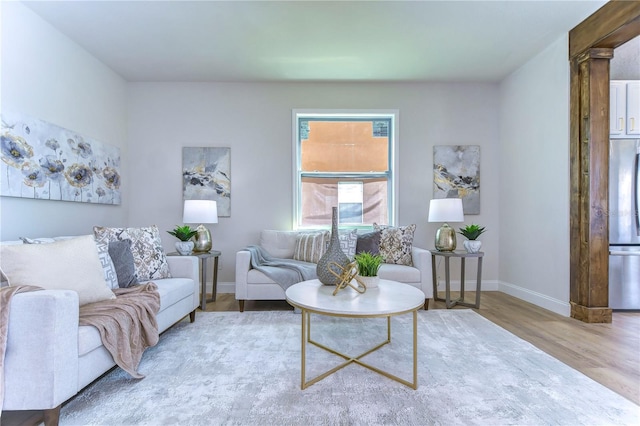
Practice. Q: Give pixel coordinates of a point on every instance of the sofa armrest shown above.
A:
(422, 261)
(41, 359)
(243, 265)
(184, 267)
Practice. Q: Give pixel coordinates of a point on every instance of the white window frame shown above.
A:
(393, 114)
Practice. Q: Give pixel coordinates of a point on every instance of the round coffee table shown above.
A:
(390, 298)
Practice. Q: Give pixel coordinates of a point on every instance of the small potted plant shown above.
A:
(472, 232)
(368, 266)
(184, 234)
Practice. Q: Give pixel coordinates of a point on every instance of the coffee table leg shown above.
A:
(415, 350)
(303, 334)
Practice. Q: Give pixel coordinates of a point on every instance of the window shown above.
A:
(344, 160)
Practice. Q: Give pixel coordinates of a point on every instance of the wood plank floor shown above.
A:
(607, 353)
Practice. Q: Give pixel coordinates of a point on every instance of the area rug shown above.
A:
(244, 369)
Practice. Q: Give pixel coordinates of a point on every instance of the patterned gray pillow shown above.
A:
(110, 274)
(348, 242)
(396, 243)
(148, 255)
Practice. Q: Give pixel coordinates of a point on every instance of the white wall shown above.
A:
(49, 77)
(254, 120)
(534, 180)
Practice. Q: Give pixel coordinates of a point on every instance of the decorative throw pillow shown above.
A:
(120, 252)
(310, 246)
(148, 255)
(369, 242)
(348, 241)
(110, 275)
(109, 270)
(396, 243)
(62, 265)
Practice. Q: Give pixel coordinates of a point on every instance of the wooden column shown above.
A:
(590, 186)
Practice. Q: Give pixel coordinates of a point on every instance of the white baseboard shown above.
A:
(538, 299)
(489, 285)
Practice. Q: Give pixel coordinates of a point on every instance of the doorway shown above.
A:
(591, 47)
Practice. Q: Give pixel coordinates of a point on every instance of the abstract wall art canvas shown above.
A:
(206, 175)
(45, 161)
(456, 174)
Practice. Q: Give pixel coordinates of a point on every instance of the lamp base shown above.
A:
(203, 240)
(445, 238)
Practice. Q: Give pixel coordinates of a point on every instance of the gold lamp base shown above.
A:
(445, 238)
(203, 240)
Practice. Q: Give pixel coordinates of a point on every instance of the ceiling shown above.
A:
(314, 40)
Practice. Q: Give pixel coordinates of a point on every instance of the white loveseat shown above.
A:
(252, 284)
(50, 358)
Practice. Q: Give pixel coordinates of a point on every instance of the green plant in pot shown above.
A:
(184, 234)
(368, 266)
(472, 232)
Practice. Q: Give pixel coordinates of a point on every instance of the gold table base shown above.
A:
(306, 338)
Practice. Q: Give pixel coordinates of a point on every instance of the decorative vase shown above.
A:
(332, 263)
(472, 246)
(185, 248)
(369, 282)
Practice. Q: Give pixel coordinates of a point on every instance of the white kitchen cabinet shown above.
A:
(624, 119)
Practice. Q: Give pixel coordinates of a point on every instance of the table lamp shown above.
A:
(201, 211)
(446, 210)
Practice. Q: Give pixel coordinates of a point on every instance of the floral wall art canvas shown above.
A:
(456, 174)
(206, 175)
(44, 161)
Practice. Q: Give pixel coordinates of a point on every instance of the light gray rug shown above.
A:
(244, 369)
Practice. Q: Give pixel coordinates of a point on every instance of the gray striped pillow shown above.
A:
(310, 246)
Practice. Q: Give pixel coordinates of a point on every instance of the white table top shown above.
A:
(389, 298)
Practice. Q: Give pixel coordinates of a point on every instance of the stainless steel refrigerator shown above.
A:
(624, 224)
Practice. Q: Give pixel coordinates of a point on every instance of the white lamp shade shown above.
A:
(200, 211)
(446, 210)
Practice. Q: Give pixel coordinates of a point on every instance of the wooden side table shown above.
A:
(463, 255)
(204, 258)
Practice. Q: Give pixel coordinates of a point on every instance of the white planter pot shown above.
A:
(472, 246)
(370, 282)
(185, 248)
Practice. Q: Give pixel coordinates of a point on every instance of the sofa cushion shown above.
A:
(71, 264)
(120, 252)
(280, 244)
(395, 243)
(348, 242)
(310, 246)
(369, 242)
(88, 339)
(172, 290)
(401, 273)
(146, 246)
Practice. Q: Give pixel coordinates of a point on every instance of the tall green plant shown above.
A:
(368, 263)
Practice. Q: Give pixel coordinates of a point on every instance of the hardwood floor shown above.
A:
(607, 353)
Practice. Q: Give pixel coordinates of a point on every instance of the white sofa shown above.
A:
(50, 358)
(252, 284)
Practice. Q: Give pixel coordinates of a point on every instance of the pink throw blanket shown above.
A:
(127, 324)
